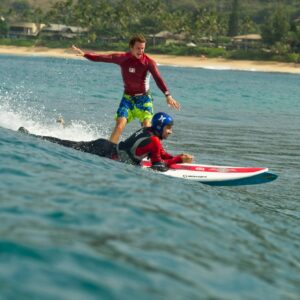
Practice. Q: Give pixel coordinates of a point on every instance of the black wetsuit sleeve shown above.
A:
(66, 143)
(101, 147)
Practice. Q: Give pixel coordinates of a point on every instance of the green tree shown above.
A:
(20, 6)
(150, 15)
(18, 10)
(233, 25)
(61, 12)
(3, 27)
(276, 27)
(248, 26)
(207, 24)
(294, 37)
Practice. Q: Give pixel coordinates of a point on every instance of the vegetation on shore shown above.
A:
(209, 25)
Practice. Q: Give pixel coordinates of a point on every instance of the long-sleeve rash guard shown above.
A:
(157, 153)
(135, 72)
(144, 143)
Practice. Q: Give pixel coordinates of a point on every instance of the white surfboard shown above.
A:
(218, 175)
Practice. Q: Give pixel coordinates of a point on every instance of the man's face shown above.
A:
(138, 49)
(167, 131)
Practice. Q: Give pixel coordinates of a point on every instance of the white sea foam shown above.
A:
(14, 116)
(216, 68)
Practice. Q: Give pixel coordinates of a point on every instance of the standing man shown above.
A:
(136, 68)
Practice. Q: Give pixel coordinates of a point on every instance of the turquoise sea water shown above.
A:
(76, 226)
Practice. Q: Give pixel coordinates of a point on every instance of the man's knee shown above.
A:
(119, 128)
(147, 123)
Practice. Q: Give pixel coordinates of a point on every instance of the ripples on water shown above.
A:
(76, 226)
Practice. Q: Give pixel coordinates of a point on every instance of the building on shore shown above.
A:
(22, 29)
(61, 31)
(50, 31)
(247, 41)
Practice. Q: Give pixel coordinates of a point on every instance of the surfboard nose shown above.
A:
(256, 179)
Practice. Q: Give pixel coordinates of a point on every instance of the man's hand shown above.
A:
(78, 51)
(172, 102)
(187, 158)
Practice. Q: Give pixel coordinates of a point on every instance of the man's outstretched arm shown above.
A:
(109, 58)
(162, 86)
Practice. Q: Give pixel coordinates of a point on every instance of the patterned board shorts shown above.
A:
(135, 107)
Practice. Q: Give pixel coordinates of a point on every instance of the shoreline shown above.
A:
(168, 60)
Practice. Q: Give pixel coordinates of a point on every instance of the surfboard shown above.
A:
(213, 175)
(218, 175)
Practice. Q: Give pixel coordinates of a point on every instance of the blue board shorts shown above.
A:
(136, 107)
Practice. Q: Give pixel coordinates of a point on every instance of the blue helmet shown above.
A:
(160, 120)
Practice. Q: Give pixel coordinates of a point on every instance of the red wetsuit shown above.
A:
(135, 72)
(143, 143)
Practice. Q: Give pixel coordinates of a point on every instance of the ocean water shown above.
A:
(77, 226)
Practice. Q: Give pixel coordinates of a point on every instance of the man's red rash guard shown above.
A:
(157, 153)
(135, 72)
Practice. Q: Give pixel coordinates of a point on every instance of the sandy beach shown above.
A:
(170, 60)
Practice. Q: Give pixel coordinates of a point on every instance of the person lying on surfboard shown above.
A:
(144, 143)
(136, 67)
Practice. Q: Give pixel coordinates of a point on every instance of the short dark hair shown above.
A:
(137, 38)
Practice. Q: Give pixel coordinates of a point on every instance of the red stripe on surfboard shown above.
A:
(216, 169)
(210, 169)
